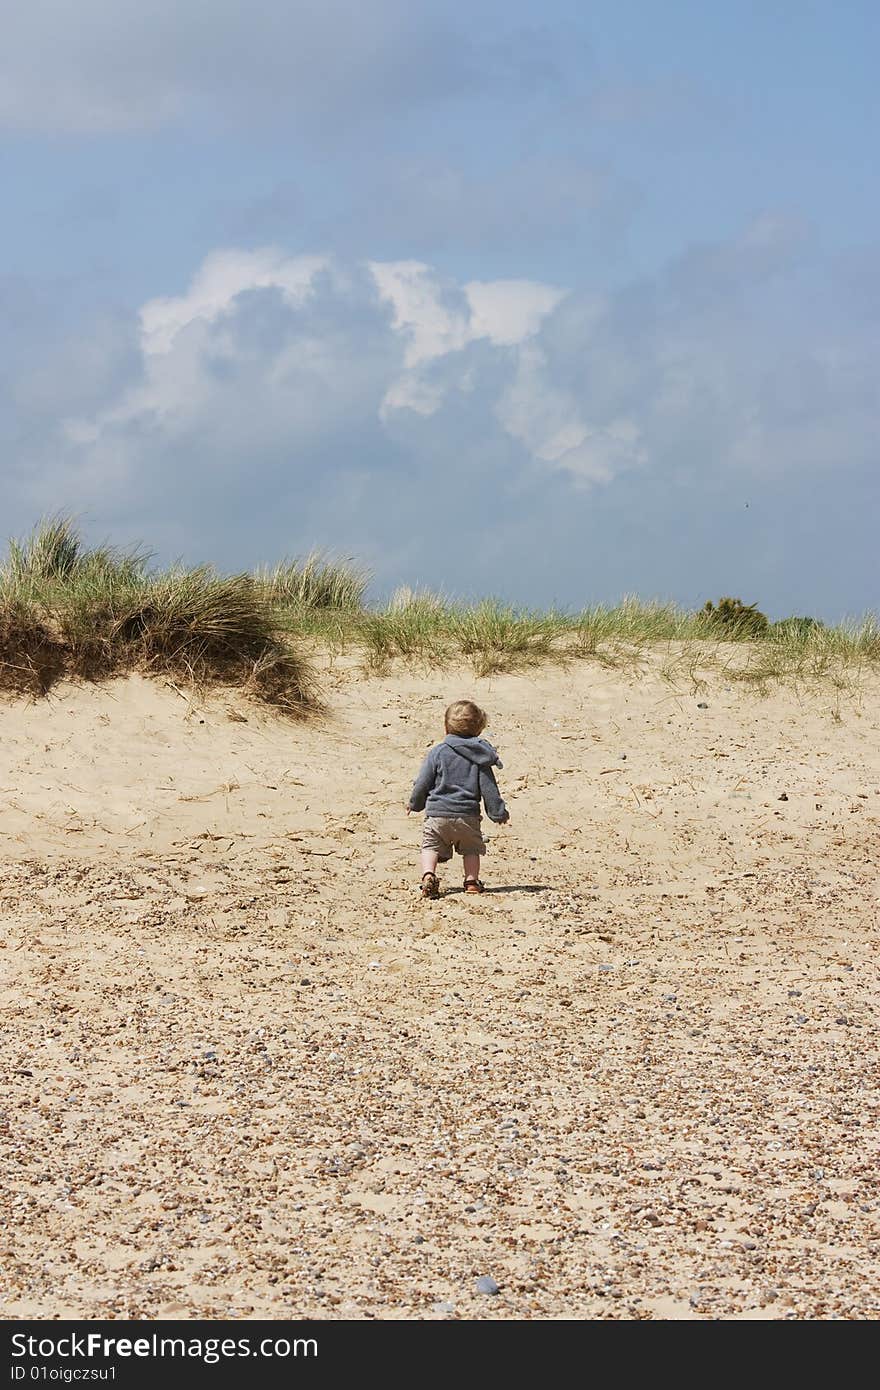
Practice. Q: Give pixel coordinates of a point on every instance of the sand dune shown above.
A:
(247, 1071)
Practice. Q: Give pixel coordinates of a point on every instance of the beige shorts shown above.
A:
(445, 834)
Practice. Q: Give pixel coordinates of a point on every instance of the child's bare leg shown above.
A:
(429, 861)
(471, 865)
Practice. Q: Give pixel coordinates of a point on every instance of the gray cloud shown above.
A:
(327, 65)
(274, 215)
(535, 201)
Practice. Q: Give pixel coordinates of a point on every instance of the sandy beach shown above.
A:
(247, 1072)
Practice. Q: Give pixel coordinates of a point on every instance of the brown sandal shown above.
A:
(474, 885)
(430, 886)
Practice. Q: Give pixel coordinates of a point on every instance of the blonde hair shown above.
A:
(466, 719)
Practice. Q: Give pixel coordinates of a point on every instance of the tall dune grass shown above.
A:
(69, 610)
(316, 583)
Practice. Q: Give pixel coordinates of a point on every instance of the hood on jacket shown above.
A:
(476, 750)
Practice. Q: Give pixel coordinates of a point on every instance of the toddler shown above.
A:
(454, 779)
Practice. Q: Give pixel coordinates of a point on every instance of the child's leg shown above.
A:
(430, 882)
(429, 861)
(471, 865)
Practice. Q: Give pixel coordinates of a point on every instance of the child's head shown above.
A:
(466, 719)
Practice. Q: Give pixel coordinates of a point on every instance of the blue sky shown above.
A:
(558, 302)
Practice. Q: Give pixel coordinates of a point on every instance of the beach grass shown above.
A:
(318, 582)
(69, 610)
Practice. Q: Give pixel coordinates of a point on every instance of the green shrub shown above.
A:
(735, 618)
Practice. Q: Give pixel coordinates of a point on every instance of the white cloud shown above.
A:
(187, 338)
(580, 385)
(507, 311)
(433, 320)
(206, 375)
(223, 276)
(280, 402)
(438, 319)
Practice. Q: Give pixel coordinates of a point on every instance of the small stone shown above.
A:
(794, 993)
(418, 1240)
(670, 997)
(606, 967)
(623, 757)
(800, 1018)
(702, 705)
(209, 1054)
(783, 797)
(486, 1284)
(445, 1307)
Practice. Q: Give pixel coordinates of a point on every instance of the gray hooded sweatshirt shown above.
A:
(455, 776)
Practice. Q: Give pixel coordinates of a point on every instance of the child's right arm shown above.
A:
(423, 784)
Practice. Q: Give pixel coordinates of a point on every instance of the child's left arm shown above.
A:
(492, 799)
